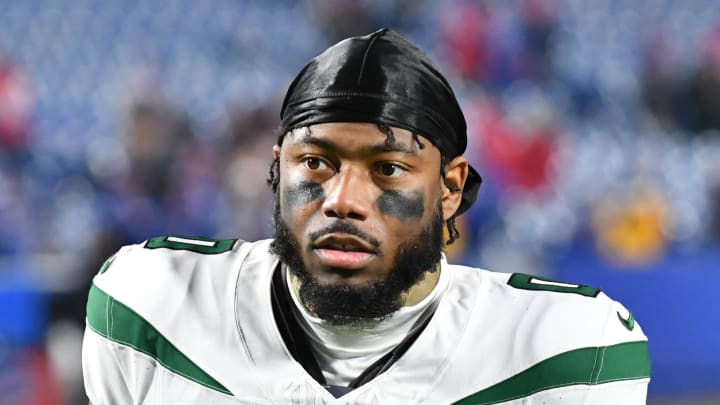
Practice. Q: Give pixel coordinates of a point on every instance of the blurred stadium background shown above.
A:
(596, 125)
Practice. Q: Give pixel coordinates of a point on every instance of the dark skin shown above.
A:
(347, 172)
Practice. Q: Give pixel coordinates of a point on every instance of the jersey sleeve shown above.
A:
(103, 376)
(103, 372)
(112, 373)
(618, 393)
(594, 344)
(623, 369)
(148, 309)
(615, 371)
(620, 372)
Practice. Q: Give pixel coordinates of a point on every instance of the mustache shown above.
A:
(341, 226)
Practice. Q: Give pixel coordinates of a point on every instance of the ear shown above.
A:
(456, 172)
(276, 151)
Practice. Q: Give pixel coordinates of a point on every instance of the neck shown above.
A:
(344, 352)
(422, 288)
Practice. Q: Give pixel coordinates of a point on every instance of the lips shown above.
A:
(343, 251)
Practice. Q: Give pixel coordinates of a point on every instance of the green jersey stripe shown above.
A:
(115, 321)
(586, 366)
(198, 245)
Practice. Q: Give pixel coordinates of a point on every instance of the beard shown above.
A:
(346, 304)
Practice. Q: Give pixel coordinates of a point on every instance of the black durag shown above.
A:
(380, 78)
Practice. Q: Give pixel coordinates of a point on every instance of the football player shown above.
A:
(352, 301)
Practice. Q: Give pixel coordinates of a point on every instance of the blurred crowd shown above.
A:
(596, 126)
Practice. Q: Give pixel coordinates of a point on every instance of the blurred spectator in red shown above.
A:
(16, 115)
(464, 36)
(26, 378)
(495, 45)
(518, 150)
(16, 107)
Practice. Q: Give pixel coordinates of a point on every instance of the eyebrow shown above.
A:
(365, 150)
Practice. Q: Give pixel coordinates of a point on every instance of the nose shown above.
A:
(347, 195)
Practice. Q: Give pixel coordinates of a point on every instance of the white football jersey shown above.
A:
(190, 321)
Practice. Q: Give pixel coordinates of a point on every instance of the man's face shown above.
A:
(358, 219)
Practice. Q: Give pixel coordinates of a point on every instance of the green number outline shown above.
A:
(524, 282)
(219, 245)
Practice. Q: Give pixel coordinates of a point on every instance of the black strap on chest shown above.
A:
(292, 334)
(297, 342)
